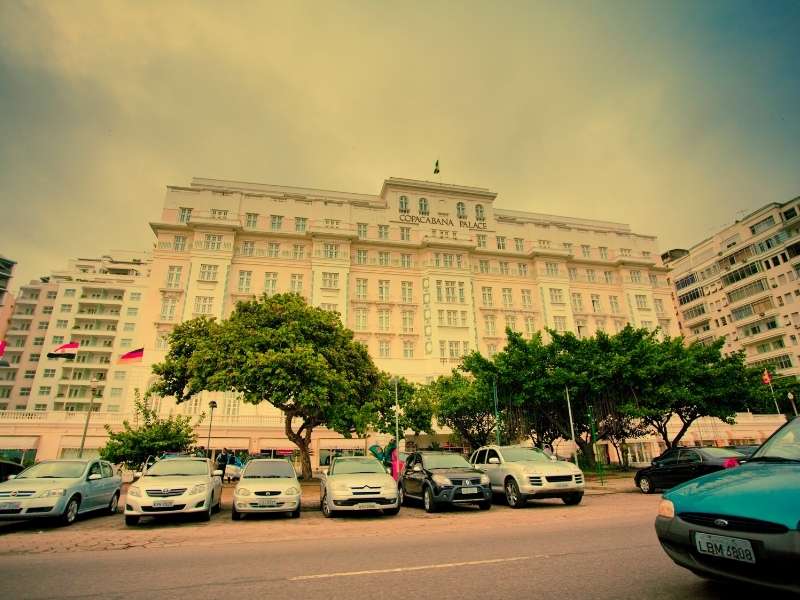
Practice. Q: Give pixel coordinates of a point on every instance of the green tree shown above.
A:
(280, 350)
(463, 405)
(416, 409)
(150, 435)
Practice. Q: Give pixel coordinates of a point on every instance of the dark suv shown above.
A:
(443, 478)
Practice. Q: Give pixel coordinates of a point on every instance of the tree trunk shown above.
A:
(587, 451)
(302, 439)
(684, 428)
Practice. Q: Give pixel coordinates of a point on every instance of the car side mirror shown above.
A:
(217, 473)
(389, 470)
(494, 461)
(95, 476)
(12, 477)
(417, 468)
(553, 457)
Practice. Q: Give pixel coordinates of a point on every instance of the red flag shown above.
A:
(3, 361)
(68, 351)
(132, 356)
(766, 378)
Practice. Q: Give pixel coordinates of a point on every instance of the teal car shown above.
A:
(743, 523)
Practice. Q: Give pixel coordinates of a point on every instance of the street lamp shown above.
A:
(396, 461)
(92, 390)
(790, 397)
(212, 405)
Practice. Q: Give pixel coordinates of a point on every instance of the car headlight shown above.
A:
(200, 488)
(54, 492)
(441, 480)
(485, 479)
(666, 509)
(242, 491)
(134, 491)
(292, 491)
(339, 487)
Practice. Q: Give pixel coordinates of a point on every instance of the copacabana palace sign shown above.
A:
(443, 221)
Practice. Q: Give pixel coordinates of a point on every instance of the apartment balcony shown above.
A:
(212, 246)
(172, 246)
(761, 336)
(20, 315)
(206, 220)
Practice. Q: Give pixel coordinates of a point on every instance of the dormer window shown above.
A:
(423, 206)
(403, 205)
(461, 210)
(479, 214)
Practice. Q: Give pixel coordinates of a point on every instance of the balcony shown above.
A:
(207, 220)
(212, 246)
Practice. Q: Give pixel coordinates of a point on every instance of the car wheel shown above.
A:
(114, 504)
(295, 514)
(572, 499)
(218, 506)
(391, 511)
(427, 500)
(206, 514)
(235, 514)
(326, 510)
(513, 496)
(485, 505)
(131, 520)
(646, 485)
(70, 511)
(401, 495)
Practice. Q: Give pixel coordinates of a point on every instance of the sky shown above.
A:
(672, 116)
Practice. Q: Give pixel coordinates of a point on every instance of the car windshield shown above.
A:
(722, 453)
(176, 467)
(268, 470)
(524, 454)
(54, 470)
(444, 461)
(346, 466)
(783, 446)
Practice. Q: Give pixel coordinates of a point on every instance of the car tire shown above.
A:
(485, 505)
(295, 514)
(235, 514)
(113, 506)
(427, 500)
(401, 494)
(131, 520)
(218, 506)
(70, 513)
(572, 499)
(323, 504)
(391, 512)
(646, 485)
(206, 514)
(514, 497)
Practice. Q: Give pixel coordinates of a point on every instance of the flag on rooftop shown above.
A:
(66, 351)
(436, 167)
(132, 356)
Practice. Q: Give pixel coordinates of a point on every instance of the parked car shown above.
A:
(7, 468)
(61, 488)
(526, 473)
(357, 483)
(175, 486)
(267, 485)
(444, 478)
(677, 465)
(742, 523)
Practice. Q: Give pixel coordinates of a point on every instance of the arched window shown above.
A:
(403, 205)
(479, 212)
(423, 206)
(461, 210)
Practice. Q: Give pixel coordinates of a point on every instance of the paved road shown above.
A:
(604, 548)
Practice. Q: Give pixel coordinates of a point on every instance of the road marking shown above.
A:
(470, 563)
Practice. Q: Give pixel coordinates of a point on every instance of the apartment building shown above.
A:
(742, 284)
(96, 302)
(6, 299)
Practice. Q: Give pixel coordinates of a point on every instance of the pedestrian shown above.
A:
(222, 462)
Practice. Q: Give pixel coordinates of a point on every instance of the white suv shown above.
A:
(524, 473)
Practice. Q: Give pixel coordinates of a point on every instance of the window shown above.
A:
(361, 257)
(405, 261)
(383, 258)
(556, 296)
(625, 251)
(406, 290)
(690, 296)
(483, 266)
(408, 321)
(383, 319)
(213, 241)
(29, 374)
(762, 225)
(481, 239)
(479, 214)
(331, 250)
(490, 324)
(530, 325)
(300, 224)
(739, 274)
(461, 210)
(603, 252)
(519, 244)
(700, 309)
(361, 230)
(653, 280)
(486, 295)
(586, 250)
(330, 280)
(361, 289)
(61, 324)
(560, 324)
(527, 298)
(641, 302)
(129, 327)
(273, 249)
(203, 304)
(423, 206)
(251, 220)
(184, 214)
(403, 206)
(567, 246)
(52, 295)
(270, 283)
(636, 277)
(245, 277)
(383, 232)
(275, 222)
(179, 243)
(551, 269)
(361, 318)
(609, 276)
(44, 390)
(383, 290)
(747, 290)
(511, 322)
(523, 269)
(168, 309)
(47, 310)
(573, 273)
(405, 234)
(577, 302)
(298, 251)
(208, 272)
(384, 349)
(248, 248)
(42, 325)
(408, 349)
(65, 308)
(507, 297)
(174, 276)
(596, 306)
(590, 275)
(501, 242)
(132, 312)
(217, 213)
(503, 267)
(659, 305)
(26, 391)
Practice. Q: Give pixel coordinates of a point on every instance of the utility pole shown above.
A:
(598, 466)
(790, 397)
(496, 414)
(571, 427)
(396, 460)
(212, 405)
(92, 390)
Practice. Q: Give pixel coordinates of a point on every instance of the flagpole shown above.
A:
(774, 399)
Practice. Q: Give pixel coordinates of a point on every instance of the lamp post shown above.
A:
(496, 414)
(212, 405)
(396, 460)
(571, 426)
(790, 397)
(92, 390)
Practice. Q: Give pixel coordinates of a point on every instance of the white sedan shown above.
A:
(175, 486)
(266, 485)
(358, 483)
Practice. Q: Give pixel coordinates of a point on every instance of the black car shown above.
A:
(677, 465)
(9, 468)
(443, 478)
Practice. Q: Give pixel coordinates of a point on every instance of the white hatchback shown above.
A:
(267, 485)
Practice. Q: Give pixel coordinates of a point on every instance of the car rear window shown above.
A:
(722, 453)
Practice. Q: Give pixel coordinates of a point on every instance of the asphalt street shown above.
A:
(604, 548)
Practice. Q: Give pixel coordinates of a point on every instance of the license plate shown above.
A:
(367, 506)
(9, 505)
(563, 483)
(162, 504)
(725, 547)
(469, 490)
(267, 502)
